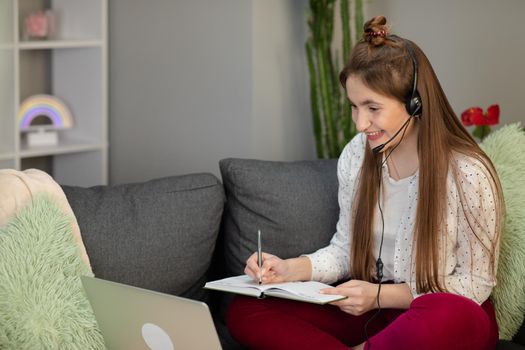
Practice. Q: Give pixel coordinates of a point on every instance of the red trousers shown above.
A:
(438, 321)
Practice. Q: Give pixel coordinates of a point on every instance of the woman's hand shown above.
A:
(274, 269)
(277, 270)
(361, 296)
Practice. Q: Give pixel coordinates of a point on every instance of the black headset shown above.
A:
(413, 104)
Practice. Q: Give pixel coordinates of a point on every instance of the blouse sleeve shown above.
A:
(475, 232)
(331, 263)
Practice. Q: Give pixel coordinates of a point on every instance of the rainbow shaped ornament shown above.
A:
(44, 105)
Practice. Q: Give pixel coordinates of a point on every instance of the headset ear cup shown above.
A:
(413, 105)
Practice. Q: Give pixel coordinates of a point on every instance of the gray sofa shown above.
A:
(175, 233)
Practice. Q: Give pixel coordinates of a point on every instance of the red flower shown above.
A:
(468, 116)
(493, 115)
(475, 116)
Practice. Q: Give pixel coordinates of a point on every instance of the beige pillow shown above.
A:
(17, 188)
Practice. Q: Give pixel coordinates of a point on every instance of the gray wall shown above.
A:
(192, 82)
(195, 81)
(282, 127)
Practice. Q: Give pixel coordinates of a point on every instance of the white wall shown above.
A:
(192, 82)
(475, 46)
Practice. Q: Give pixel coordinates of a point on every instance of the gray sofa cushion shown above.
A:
(294, 204)
(158, 235)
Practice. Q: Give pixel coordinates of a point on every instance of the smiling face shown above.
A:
(378, 116)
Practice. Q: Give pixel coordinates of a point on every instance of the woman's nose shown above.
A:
(361, 122)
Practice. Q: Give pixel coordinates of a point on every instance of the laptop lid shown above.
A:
(135, 318)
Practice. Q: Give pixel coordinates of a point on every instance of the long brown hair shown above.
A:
(384, 64)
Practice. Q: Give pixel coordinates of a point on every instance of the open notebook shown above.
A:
(301, 291)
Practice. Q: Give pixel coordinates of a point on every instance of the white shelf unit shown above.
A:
(72, 65)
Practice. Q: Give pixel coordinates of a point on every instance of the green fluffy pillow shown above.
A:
(42, 301)
(506, 149)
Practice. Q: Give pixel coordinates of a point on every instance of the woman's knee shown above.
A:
(455, 319)
(448, 307)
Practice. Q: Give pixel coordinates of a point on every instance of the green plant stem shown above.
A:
(344, 111)
(331, 113)
(345, 25)
(481, 131)
(326, 102)
(314, 100)
(359, 19)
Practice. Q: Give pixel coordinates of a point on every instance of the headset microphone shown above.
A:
(379, 148)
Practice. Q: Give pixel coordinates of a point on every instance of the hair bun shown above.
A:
(375, 31)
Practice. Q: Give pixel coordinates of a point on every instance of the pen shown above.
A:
(259, 254)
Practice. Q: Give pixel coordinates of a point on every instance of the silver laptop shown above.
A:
(134, 318)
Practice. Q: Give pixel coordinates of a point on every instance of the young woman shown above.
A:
(418, 233)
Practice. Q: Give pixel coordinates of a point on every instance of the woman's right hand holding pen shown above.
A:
(277, 270)
(273, 270)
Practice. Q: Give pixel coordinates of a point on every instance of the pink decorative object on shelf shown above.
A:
(39, 25)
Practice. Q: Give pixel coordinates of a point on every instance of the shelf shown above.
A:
(58, 44)
(64, 147)
(71, 65)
